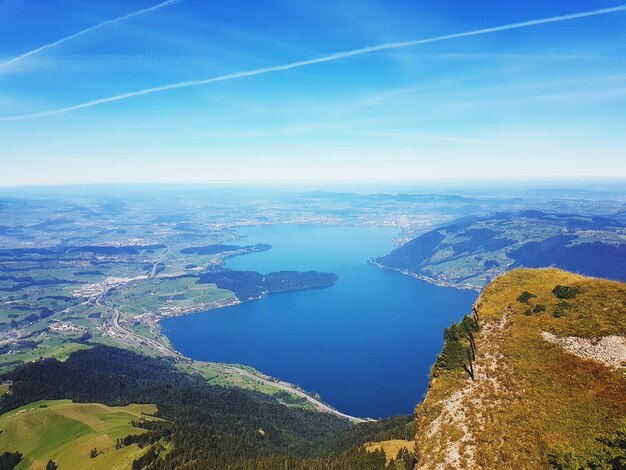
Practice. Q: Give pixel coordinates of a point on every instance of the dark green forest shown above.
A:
(249, 285)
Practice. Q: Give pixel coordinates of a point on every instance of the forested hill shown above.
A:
(249, 285)
(471, 253)
(533, 379)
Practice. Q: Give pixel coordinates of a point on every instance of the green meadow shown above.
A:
(66, 433)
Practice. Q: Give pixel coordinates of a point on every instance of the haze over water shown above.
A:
(365, 345)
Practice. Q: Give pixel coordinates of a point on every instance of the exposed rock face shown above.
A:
(609, 350)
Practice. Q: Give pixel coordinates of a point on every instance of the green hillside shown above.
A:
(471, 253)
(66, 432)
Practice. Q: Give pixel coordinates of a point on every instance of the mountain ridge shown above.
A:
(522, 400)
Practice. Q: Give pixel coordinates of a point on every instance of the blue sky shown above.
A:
(547, 101)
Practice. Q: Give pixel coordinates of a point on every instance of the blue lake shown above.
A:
(365, 345)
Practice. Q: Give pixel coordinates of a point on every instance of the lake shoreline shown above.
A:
(421, 277)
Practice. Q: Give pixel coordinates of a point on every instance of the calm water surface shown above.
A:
(365, 345)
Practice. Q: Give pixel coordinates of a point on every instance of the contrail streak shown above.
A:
(319, 60)
(83, 32)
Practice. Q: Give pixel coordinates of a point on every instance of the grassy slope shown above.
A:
(530, 398)
(216, 376)
(390, 447)
(55, 347)
(66, 432)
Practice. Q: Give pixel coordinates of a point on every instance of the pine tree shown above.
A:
(51, 465)
(470, 369)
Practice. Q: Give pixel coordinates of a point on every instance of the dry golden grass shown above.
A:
(530, 396)
(391, 447)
